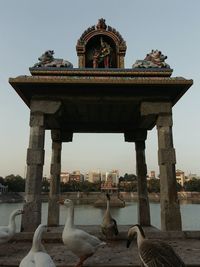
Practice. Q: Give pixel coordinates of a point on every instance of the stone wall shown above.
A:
(93, 196)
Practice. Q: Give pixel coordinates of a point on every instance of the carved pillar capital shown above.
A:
(155, 108)
(164, 120)
(45, 106)
(136, 136)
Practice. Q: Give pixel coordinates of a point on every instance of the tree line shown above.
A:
(127, 183)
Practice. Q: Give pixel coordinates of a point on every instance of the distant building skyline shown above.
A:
(112, 177)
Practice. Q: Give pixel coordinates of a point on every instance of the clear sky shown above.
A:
(28, 28)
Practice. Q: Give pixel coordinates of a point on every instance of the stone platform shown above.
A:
(114, 253)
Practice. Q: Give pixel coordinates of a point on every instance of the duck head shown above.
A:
(132, 232)
(66, 202)
(18, 212)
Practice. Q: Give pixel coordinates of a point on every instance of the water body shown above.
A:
(87, 214)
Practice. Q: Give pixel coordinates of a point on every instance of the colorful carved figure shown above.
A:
(102, 55)
(47, 60)
(155, 59)
(105, 53)
(96, 58)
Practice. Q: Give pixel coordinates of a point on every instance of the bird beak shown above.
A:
(47, 228)
(61, 202)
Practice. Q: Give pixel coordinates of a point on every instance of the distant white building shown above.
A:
(152, 175)
(64, 177)
(3, 188)
(180, 177)
(103, 176)
(94, 176)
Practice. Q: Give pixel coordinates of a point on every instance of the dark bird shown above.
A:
(154, 253)
(109, 225)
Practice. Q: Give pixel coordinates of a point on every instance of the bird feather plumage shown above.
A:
(7, 232)
(154, 253)
(81, 243)
(37, 256)
(109, 225)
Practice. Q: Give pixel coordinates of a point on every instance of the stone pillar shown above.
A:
(170, 209)
(53, 208)
(58, 137)
(139, 137)
(35, 160)
(141, 171)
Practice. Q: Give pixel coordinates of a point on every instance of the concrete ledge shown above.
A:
(55, 233)
(114, 253)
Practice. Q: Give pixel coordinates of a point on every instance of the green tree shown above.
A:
(129, 177)
(15, 183)
(153, 185)
(45, 185)
(128, 186)
(2, 181)
(179, 187)
(192, 185)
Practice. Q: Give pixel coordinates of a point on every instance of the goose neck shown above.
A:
(108, 205)
(70, 217)
(12, 224)
(140, 237)
(36, 245)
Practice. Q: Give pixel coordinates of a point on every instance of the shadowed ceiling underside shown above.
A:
(100, 103)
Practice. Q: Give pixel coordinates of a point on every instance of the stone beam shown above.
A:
(155, 108)
(66, 136)
(137, 135)
(45, 106)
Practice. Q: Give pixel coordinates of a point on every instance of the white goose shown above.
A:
(154, 253)
(109, 225)
(82, 244)
(37, 256)
(7, 232)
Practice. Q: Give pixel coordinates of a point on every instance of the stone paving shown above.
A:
(114, 253)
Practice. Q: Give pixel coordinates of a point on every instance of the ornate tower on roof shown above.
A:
(101, 46)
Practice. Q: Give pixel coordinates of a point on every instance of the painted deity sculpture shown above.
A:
(102, 55)
(155, 59)
(47, 60)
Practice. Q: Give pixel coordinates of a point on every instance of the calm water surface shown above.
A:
(86, 214)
